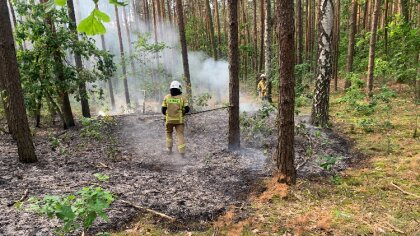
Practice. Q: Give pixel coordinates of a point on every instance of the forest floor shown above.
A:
(196, 190)
(378, 195)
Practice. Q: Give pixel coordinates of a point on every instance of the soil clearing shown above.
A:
(195, 190)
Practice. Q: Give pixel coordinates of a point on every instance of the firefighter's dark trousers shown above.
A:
(180, 136)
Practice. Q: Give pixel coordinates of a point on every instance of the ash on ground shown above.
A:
(195, 189)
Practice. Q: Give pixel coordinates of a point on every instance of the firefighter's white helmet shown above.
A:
(262, 76)
(176, 84)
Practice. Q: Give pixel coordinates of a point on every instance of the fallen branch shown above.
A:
(394, 228)
(403, 191)
(25, 195)
(302, 164)
(149, 210)
(102, 165)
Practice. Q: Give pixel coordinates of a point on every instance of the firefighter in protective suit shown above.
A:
(174, 107)
(262, 88)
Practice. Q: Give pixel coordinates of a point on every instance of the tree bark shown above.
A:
(299, 29)
(184, 50)
(372, 45)
(336, 43)
(234, 130)
(11, 90)
(350, 47)
(255, 56)
(124, 69)
(386, 27)
(217, 16)
(405, 10)
(169, 13)
(307, 26)
(320, 105)
(211, 27)
(130, 46)
(79, 64)
(417, 96)
(225, 24)
(267, 46)
(110, 87)
(366, 16)
(262, 15)
(147, 14)
(285, 152)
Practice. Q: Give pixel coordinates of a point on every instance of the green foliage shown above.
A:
(101, 177)
(327, 162)
(145, 55)
(367, 124)
(265, 110)
(92, 25)
(257, 122)
(54, 142)
(94, 128)
(118, 3)
(74, 211)
(396, 59)
(201, 100)
(366, 110)
(45, 72)
(60, 2)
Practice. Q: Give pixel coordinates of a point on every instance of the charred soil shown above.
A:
(195, 189)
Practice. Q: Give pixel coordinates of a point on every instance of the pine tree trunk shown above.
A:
(184, 50)
(217, 16)
(11, 90)
(225, 24)
(234, 130)
(267, 47)
(320, 105)
(147, 14)
(79, 64)
(262, 15)
(336, 43)
(285, 152)
(372, 45)
(123, 65)
(386, 27)
(418, 59)
(255, 56)
(350, 47)
(130, 46)
(110, 87)
(211, 27)
(366, 16)
(168, 5)
(299, 29)
(313, 32)
(405, 10)
(308, 29)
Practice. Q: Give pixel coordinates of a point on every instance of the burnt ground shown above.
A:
(194, 190)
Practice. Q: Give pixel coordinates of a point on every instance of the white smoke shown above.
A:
(207, 75)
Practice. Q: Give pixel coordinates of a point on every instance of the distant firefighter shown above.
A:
(263, 88)
(174, 107)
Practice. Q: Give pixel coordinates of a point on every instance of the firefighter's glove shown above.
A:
(164, 110)
(186, 110)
